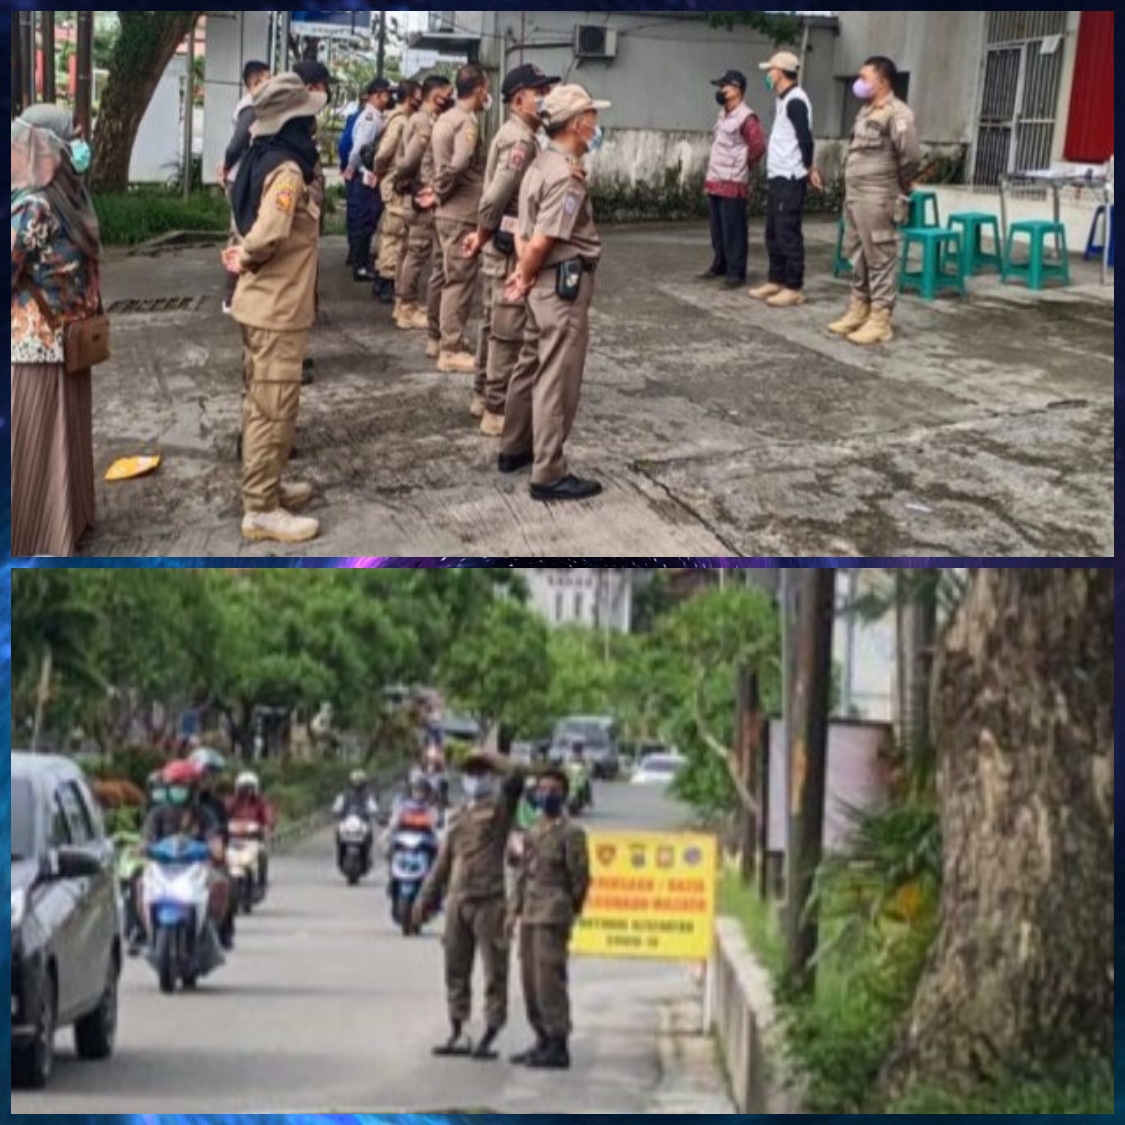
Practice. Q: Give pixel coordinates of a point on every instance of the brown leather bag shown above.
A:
(85, 342)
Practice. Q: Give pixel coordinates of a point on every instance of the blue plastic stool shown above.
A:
(924, 211)
(1036, 271)
(842, 265)
(938, 247)
(1094, 248)
(972, 226)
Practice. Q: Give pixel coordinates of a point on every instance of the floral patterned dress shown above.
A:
(44, 256)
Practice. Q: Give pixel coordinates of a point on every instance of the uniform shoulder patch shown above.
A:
(517, 158)
(285, 200)
(571, 203)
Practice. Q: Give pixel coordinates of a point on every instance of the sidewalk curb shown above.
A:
(691, 1078)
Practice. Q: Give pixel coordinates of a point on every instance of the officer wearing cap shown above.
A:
(510, 156)
(559, 251)
(550, 895)
(365, 204)
(470, 875)
(790, 170)
(738, 146)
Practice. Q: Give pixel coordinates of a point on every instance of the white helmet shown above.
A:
(248, 781)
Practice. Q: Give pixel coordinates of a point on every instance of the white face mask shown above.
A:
(488, 104)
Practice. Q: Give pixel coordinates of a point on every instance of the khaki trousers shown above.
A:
(871, 244)
(544, 966)
(471, 926)
(271, 399)
(501, 339)
(392, 244)
(460, 287)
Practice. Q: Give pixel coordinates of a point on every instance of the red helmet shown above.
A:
(182, 773)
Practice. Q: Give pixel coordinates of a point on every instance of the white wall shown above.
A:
(156, 154)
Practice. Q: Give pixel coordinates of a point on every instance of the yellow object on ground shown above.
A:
(132, 468)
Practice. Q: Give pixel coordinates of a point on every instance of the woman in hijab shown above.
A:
(278, 220)
(56, 245)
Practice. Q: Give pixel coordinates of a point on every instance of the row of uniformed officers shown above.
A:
(517, 213)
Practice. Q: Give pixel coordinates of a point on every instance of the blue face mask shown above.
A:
(597, 140)
(552, 805)
(81, 156)
(478, 788)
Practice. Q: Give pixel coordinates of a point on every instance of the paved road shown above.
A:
(325, 1008)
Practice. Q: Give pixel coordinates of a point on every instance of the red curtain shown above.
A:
(1089, 138)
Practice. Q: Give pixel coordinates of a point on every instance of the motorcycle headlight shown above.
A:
(19, 908)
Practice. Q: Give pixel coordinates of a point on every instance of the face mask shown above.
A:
(771, 85)
(721, 99)
(553, 805)
(178, 796)
(81, 156)
(596, 140)
(863, 90)
(488, 104)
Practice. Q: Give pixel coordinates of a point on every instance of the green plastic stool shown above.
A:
(924, 211)
(1036, 271)
(937, 248)
(972, 226)
(842, 265)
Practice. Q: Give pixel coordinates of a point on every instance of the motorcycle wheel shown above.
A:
(165, 957)
(246, 888)
(191, 983)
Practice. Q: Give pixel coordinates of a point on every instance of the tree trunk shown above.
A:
(1021, 974)
(144, 48)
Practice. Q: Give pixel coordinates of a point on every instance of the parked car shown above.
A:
(66, 924)
(659, 769)
(598, 736)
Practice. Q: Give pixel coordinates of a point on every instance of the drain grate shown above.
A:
(159, 305)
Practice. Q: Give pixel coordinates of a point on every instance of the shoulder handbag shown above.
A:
(85, 342)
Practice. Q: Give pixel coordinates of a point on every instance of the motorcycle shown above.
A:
(413, 854)
(581, 789)
(355, 841)
(130, 867)
(246, 862)
(177, 895)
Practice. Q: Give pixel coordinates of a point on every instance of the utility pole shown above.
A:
(84, 102)
(189, 112)
(47, 30)
(16, 75)
(27, 50)
(381, 65)
(808, 770)
(749, 765)
(42, 697)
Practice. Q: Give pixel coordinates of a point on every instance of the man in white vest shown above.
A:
(738, 148)
(790, 171)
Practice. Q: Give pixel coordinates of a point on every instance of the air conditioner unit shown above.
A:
(595, 41)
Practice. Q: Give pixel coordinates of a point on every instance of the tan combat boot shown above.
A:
(855, 318)
(403, 313)
(877, 330)
(787, 299)
(457, 363)
(418, 320)
(478, 408)
(433, 349)
(765, 292)
(278, 527)
(492, 425)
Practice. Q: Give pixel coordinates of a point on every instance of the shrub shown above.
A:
(144, 214)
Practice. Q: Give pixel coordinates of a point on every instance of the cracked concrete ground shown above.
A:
(720, 427)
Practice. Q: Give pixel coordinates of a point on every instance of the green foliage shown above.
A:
(142, 215)
(780, 29)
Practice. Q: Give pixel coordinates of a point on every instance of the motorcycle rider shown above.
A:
(248, 804)
(212, 766)
(356, 800)
(579, 771)
(417, 811)
(185, 814)
(433, 765)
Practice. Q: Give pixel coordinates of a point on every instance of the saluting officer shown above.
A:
(551, 889)
(879, 176)
(558, 253)
(392, 234)
(414, 178)
(470, 874)
(510, 156)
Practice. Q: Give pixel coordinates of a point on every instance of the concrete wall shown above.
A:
(156, 155)
(744, 1019)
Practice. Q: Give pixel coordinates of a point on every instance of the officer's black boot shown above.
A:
(457, 1044)
(556, 1056)
(524, 1057)
(484, 1051)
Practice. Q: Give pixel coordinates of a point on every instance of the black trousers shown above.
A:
(730, 237)
(785, 234)
(364, 210)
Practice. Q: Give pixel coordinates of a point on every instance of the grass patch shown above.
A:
(759, 920)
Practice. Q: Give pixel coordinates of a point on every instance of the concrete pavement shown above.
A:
(720, 427)
(324, 1007)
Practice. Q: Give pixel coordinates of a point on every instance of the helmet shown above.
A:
(248, 781)
(420, 784)
(358, 779)
(209, 761)
(183, 773)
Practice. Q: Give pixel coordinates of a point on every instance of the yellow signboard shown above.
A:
(653, 897)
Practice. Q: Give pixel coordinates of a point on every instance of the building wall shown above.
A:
(588, 597)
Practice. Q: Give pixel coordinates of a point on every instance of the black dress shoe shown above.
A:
(509, 465)
(709, 275)
(569, 488)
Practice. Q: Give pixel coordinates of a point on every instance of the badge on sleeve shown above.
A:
(517, 158)
(286, 200)
(571, 204)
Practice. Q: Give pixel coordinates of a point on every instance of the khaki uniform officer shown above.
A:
(551, 890)
(278, 218)
(511, 155)
(414, 178)
(392, 234)
(882, 166)
(459, 161)
(559, 251)
(471, 874)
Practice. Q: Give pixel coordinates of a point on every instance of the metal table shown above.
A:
(1057, 180)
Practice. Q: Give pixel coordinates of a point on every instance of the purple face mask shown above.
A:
(863, 90)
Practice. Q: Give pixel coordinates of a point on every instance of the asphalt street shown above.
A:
(324, 1007)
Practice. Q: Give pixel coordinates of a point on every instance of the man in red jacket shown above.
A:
(738, 148)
